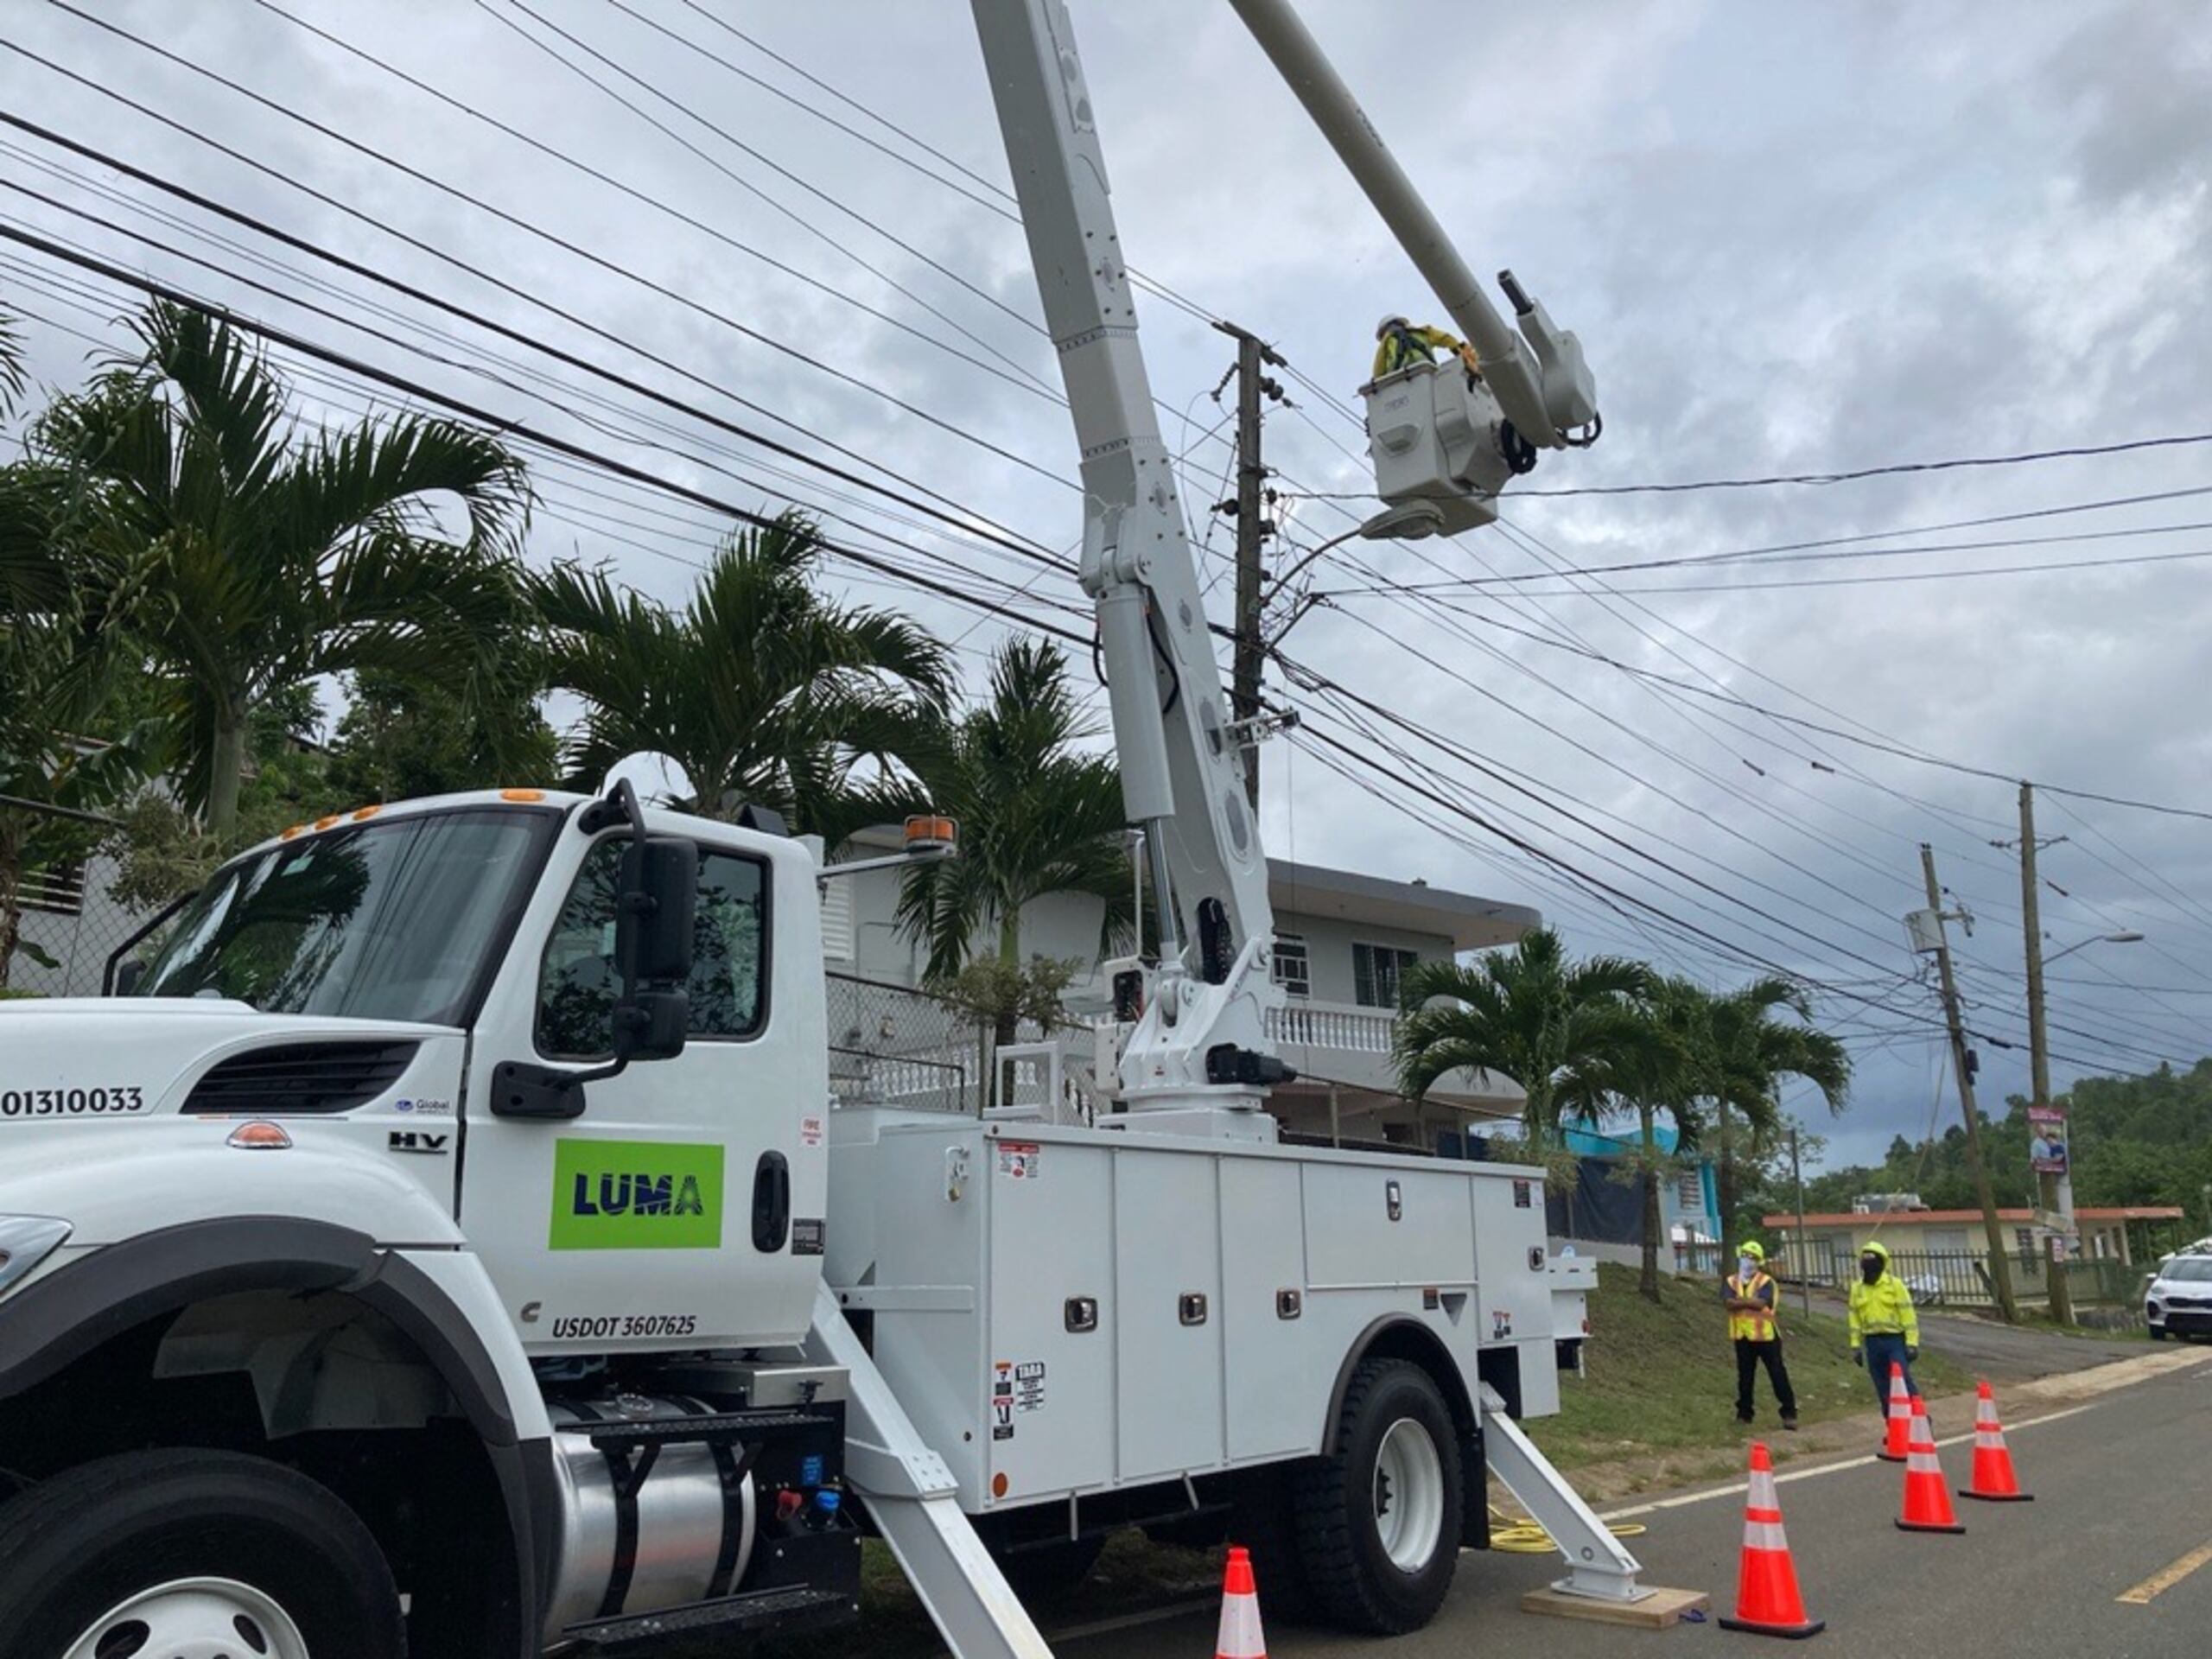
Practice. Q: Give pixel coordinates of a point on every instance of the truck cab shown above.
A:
(393, 1155)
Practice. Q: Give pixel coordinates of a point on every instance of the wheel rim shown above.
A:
(192, 1618)
(1408, 1496)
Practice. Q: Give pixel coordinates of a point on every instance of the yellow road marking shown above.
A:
(2166, 1578)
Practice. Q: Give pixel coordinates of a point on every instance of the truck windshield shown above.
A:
(390, 920)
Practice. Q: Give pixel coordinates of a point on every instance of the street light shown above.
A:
(2126, 936)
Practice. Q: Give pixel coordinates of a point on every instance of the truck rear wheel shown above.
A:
(1378, 1518)
(192, 1552)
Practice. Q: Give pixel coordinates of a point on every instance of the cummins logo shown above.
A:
(636, 1195)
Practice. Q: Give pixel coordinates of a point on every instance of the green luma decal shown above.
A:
(636, 1195)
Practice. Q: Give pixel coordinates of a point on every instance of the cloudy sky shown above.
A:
(1794, 239)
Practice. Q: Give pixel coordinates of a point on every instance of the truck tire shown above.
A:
(192, 1552)
(1378, 1517)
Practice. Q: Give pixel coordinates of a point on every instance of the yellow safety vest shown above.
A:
(1755, 1327)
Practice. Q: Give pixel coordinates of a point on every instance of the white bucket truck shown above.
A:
(448, 1243)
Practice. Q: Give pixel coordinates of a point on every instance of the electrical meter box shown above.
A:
(1071, 1310)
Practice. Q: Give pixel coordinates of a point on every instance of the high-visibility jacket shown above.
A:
(1750, 1327)
(1416, 343)
(1883, 1308)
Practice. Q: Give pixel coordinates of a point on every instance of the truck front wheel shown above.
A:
(159, 1553)
(1378, 1518)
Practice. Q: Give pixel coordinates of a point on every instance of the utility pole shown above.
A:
(2052, 1194)
(2000, 1268)
(1254, 356)
(1804, 1272)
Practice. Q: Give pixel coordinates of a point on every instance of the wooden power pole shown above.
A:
(1254, 357)
(2061, 1293)
(2000, 1266)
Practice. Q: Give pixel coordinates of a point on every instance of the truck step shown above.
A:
(790, 1608)
(710, 1428)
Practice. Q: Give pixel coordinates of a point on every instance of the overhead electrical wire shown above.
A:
(496, 423)
(1888, 470)
(613, 267)
(951, 513)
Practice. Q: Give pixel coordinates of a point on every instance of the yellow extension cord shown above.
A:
(1527, 1538)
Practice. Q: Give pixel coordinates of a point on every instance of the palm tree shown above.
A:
(1672, 1074)
(766, 691)
(1037, 816)
(1564, 1029)
(1752, 1052)
(258, 558)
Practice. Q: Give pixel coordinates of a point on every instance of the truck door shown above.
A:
(684, 1207)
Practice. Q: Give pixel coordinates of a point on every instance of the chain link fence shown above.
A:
(68, 923)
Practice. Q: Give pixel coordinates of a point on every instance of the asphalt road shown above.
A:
(2119, 1484)
(2002, 1352)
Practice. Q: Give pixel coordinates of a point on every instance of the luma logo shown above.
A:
(636, 1195)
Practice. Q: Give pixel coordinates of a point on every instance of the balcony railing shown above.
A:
(1336, 1025)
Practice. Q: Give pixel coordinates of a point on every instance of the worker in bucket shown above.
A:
(1400, 344)
(1884, 1326)
(1750, 1295)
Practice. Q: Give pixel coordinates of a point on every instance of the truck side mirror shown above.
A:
(655, 910)
(654, 914)
(651, 1026)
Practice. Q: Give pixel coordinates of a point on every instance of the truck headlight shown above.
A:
(26, 1241)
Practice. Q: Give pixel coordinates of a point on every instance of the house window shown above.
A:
(1292, 971)
(1377, 970)
(58, 889)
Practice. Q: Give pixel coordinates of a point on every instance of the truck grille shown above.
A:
(300, 1078)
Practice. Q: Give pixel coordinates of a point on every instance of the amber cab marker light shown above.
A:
(260, 1137)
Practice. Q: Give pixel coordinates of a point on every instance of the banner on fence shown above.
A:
(2047, 1140)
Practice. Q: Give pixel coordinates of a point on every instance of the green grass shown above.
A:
(1663, 1378)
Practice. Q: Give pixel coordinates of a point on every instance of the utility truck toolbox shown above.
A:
(1067, 1311)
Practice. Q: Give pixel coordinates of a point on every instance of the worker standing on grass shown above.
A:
(1883, 1322)
(1750, 1295)
(1400, 344)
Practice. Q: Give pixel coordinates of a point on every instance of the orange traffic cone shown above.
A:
(1900, 1419)
(1767, 1602)
(1993, 1480)
(1240, 1636)
(1926, 1500)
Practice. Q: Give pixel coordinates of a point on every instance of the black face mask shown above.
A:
(1869, 1268)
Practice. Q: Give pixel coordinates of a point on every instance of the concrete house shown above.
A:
(1343, 942)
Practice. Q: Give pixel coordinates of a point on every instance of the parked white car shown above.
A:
(2180, 1298)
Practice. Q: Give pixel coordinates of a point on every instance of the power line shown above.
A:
(498, 425)
(952, 514)
(614, 267)
(1891, 469)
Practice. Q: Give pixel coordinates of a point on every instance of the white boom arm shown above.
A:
(1545, 403)
(1201, 1046)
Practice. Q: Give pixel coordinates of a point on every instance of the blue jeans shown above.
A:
(1882, 1352)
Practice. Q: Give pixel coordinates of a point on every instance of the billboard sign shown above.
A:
(2047, 1140)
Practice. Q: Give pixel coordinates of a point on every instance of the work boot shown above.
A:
(1742, 1416)
(1789, 1421)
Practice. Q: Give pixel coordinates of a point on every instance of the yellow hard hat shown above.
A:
(1753, 1249)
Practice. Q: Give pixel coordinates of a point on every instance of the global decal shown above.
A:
(636, 1195)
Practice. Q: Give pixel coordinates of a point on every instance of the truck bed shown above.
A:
(1066, 1310)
